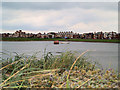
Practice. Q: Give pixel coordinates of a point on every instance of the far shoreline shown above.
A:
(64, 41)
(61, 39)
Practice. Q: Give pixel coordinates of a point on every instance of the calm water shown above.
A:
(105, 53)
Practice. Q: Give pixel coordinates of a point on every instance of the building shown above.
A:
(67, 35)
(39, 35)
(19, 34)
(44, 35)
(64, 34)
(76, 35)
(51, 34)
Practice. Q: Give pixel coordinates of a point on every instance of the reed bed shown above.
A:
(61, 71)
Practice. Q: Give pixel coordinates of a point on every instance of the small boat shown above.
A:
(56, 42)
(64, 42)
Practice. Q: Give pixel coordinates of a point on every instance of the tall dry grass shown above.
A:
(61, 71)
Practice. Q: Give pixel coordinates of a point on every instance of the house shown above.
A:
(19, 34)
(105, 35)
(39, 35)
(113, 35)
(99, 35)
(117, 36)
(68, 34)
(51, 34)
(44, 35)
(6, 34)
(76, 35)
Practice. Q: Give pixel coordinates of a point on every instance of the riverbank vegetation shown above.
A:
(66, 70)
(61, 39)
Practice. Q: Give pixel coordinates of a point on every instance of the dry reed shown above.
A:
(14, 74)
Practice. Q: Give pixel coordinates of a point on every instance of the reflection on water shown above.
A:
(105, 53)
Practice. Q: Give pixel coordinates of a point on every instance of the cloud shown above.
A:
(95, 26)
(42, 19)
(59, 5)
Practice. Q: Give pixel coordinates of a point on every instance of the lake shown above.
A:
(104, 53)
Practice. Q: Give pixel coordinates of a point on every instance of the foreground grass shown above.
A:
(61, 71)
(80, 40)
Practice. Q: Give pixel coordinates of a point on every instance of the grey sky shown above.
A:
(60, 0)
(58, 5)
(59, 16)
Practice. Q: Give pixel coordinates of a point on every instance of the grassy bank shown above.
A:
(61, 71)
(78, 40)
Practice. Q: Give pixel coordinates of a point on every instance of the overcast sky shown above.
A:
(59, 16)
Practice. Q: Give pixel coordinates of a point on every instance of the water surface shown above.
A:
(105, 53)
